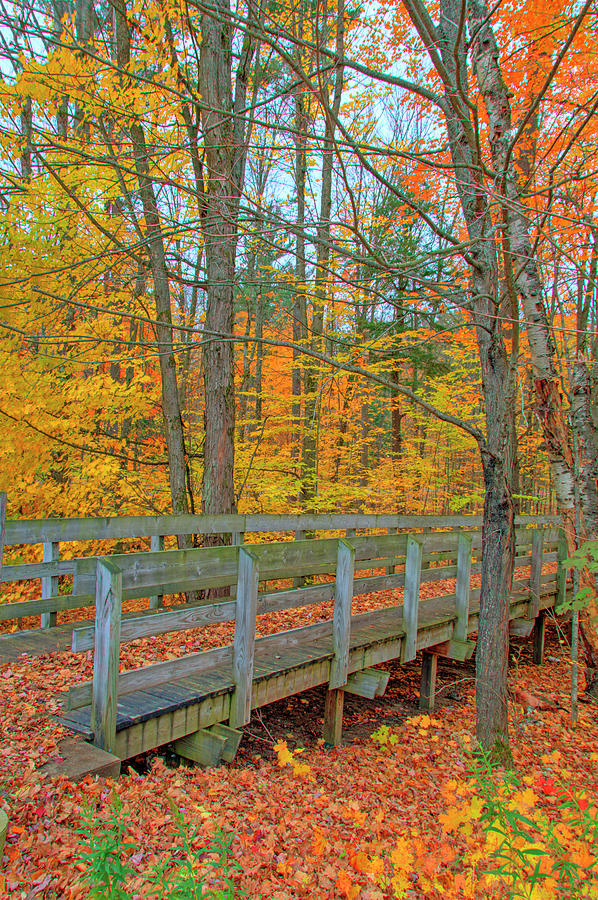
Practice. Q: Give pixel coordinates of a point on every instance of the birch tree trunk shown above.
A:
(527, 279)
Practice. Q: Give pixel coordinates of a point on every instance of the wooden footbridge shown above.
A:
(200, 700)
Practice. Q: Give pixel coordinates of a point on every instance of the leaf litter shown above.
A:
(319, 825)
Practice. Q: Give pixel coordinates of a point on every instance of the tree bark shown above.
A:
(497, 368)
(548, 396)
(173, 425)
(223, 119)
(309, 477)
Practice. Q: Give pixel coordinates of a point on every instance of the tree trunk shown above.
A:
(223, 120)
(309, 485)
(173, 425)
(498, 373)
(526, 276)
(299, 299)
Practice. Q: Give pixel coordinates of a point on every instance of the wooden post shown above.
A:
(413, 567)
(390, 570)
(538, 638)
(427, 691)
(464, 549)
(535, 578)
(333, 717)
(299, 580)
(244, 642)
(106, 654)
(561, 574)
(51, 553)
(2, 524)
(237, 538)
(426, 531)
(341, 623)
(156, 544)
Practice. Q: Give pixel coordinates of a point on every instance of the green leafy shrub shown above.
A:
(203, 873)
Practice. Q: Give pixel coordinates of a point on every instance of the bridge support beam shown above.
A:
(538, 638)
(427, 690)
(333, 717)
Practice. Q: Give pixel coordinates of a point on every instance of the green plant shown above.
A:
(182, 881)
(536, 854)
(585, 557)
(204, 872)
(103, 854)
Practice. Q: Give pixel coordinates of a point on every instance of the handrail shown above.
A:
(249, 565)
(38, 531)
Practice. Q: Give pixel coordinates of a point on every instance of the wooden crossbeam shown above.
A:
(521, 627)
(205, 747)
(232, 737)
(368, 683)
(454, 649)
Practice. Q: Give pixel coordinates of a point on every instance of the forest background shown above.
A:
(338, 218)
(302, 257)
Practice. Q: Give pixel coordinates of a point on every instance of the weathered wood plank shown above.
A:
(2, 527)
(536, 573)
(521, 627)
(156, 674)
(333, 717)
(244, 642)
(106, 655)
(52, 604)
(156, 545)
(427, 690)
(459, 650)
(411, 598)
(232, 738)
(538, 638)
(364, 683)
(51, 553)
(341, 623)
(204, 747)
(160, 623)
(35, 531)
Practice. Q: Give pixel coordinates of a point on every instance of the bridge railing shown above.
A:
(50, 533)
(448, 555)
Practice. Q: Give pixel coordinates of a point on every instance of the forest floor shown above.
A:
(310, 823)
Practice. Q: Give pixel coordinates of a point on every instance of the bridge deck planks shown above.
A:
(36, 642)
